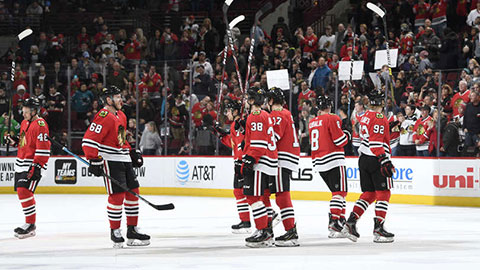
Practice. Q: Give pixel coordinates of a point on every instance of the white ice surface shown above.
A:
(73, 233)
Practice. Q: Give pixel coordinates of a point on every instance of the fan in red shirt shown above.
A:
(327, 142)
(199, 110)
(304, 95)
(234, 139)
(309, 42)
(460, 98)
(153, 80)
(32, 157)
(288, 149)
(133, 48)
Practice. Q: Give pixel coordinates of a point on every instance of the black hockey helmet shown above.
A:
(376, 98)
(257, 94)
(109, 92)
(276, 94)
(32, 103)
(233, 105)
(324, 102)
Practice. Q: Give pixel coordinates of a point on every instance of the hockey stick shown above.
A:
(351, 68)
(168, 206)
(258, 15)
(226, 5)
(381, 13)
(25, 33)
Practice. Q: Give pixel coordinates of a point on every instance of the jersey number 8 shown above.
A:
(95, 128)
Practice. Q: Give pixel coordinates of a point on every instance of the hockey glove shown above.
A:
(386, 167)
(12, 140)
(96, 166)
(137, 159)
(34, 173)
(238, 168)
(247, 166)
(219, 131)
(240, 125)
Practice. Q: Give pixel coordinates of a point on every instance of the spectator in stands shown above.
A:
(34, 9)
(55, 104)
(131, 133)
(14, 131)
(285, 29)
(146, 113)
(451, 139)
(204, 137)
(201, 84)
(321, 75)
(461, 98)
(4, 102)
(177, 117)
(202, 60)
(132, 50)
(471, 121)
(155, 46)
(420, 135)
(143, 42)
(169, 42)
(473, 15)
(309, 42)
(305, 118)
(82, 101)
(83, 36)
(116, 76)
(151, 143)
(406, 145)
(20, 94)
(121, 39)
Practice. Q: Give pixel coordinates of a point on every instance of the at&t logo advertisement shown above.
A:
(194, 171)
(182, 172)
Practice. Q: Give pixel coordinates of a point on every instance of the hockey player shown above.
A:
(32, 157)
(327, 141)
(234, 140)
(259, 164)
(288, 149)
(376, 171)
(105, 146)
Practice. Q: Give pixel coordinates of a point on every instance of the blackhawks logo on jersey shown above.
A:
(122, 135)
(420, 130)
(175, 111)
(379, 115)
(22, 140)
(458, 103)
(103, 114)
(41, 123)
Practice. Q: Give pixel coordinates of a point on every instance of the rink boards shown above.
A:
(417, 180)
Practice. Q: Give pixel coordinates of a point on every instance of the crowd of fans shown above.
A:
(177, 119)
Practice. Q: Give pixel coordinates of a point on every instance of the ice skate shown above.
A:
(242, 228)
(380, 235)
(260, 238)
(25, 231)
(350, 228)
(116, 236)
(289, 239)
(135, 238)
(335, 228)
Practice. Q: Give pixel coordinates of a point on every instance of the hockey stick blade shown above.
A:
(226, 5)
(25, 33)
(236, 21)
(160, 207)
(376, 9)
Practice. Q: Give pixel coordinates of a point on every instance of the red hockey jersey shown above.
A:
(395, 132)
(327, 141)
(420, 133)
(106, 137)
(234, 140)
(287, 141)
(459, 100)
(355, 129)
(375, 134)
(33, 145)
(260, 142)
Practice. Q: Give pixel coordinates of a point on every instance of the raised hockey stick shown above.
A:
(226, 5)
(25, 33)
(381, 13)
(168, 206)
(258, 15)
